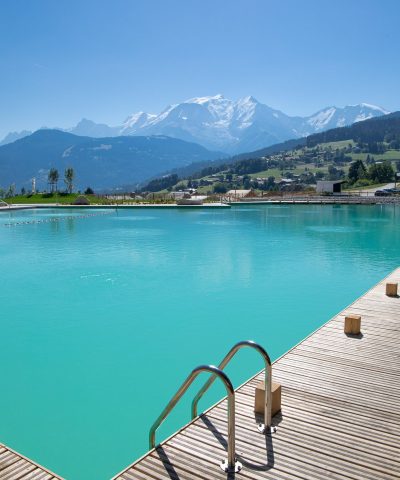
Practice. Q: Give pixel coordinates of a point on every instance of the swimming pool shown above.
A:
(104, 313)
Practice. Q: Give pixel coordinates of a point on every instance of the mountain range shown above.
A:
(100, 163)
(221, 124)
(108, 162)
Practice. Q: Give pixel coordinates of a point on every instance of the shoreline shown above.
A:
(228, 203)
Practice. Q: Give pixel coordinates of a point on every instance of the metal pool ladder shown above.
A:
(231, 464)
(265, 427)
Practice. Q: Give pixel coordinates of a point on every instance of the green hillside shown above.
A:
(366, 153)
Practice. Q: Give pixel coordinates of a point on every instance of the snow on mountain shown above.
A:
(222, 124)
(137, 120)
(321, 118)
(219, 123)
(333, 117)
(372, 107)
(219, 107)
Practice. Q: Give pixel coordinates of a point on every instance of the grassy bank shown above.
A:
(69, 198)
(62, 198)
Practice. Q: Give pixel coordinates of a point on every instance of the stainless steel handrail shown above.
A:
(266, 427)
(229, 465)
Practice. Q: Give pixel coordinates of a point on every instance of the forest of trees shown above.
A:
(161, 183)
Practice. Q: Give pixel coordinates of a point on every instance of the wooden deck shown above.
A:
(340, 411)
(14, 466)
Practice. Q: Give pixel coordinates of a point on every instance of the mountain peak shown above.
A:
(249, 99)
(203, 100)
(136, 120)
(84, 122)
(372, 107)
(13, 136)
(88, 128)
(332, 117)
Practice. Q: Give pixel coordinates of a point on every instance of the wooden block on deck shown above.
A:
(260, 397)
(391, 289)
(352, 324)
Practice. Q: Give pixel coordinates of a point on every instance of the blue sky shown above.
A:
(62, 60)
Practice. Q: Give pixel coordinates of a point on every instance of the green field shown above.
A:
(43, 198)
(389, 155)
(301, 168)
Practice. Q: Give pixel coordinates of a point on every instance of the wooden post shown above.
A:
(352, 324)
(391, 289)
(260, 397)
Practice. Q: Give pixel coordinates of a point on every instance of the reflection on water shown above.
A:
(70, 224)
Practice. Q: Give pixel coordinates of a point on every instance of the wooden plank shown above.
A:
(14, 466)
(333, 456)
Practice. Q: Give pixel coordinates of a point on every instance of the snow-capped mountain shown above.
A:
(218, 123)
(244, 125)
(333, 117)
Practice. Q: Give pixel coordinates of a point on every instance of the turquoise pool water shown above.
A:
(102, 317)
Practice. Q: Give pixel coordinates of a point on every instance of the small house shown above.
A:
(329, 186)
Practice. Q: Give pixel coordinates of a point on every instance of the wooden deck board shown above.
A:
(340, 410)
(14, 466)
